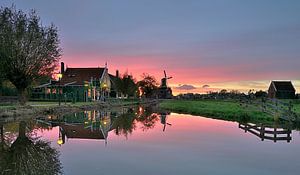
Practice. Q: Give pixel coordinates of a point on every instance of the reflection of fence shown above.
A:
(267, 133)
(8, 99)
(274, 107)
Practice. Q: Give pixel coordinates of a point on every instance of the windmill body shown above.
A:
(164, 91)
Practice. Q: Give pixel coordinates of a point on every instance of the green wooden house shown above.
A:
(78, 84)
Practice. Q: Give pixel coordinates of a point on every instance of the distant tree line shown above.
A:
(129, 87)
(224, 94)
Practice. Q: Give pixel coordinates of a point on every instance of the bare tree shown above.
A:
(28, 50)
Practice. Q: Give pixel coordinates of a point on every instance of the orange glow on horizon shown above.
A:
(217, 78)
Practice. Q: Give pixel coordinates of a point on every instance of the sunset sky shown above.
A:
(204, 44)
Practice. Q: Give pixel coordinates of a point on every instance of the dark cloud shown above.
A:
(205, 86)
(185, 87)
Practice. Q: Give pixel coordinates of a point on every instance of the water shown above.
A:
(140, 141)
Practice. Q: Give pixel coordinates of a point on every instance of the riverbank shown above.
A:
(218, 109)
(45, 108)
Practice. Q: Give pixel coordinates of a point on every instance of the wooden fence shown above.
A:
(8, 99)
(267, 133)
(274, 107)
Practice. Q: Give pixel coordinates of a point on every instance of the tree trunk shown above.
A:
(2, 140)
(1, 133)
(22, 129)
(22, 96)
(0, 87)
(22, 140)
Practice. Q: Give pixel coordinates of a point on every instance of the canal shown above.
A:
(143, 141)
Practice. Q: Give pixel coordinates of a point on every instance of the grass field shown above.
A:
(296, 106)
(228, 110)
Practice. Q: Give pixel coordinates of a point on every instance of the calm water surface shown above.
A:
(142, 142)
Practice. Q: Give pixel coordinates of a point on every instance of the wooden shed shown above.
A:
(281, 90)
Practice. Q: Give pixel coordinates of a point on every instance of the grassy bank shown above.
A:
(41, 108)
(77, 104)
(296, 106)
(227, 110)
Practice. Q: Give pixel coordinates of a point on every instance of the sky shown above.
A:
(205, 45)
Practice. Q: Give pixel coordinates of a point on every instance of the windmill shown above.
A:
(165, 92)
(164, 80)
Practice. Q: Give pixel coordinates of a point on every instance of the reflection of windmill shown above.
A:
(163, 120)
(164, 90)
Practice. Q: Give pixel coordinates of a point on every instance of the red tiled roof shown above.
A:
(79, 75)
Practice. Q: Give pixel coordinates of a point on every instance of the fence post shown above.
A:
(277, 110)
(289, 138)
(275, 134)
(65, 96)
(246, 127)
(263, 104)
(262, 132)
(290, 106)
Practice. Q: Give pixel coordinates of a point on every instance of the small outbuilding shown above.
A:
(281, 90)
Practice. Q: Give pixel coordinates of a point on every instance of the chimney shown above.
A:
(62, 67)
(117, 73)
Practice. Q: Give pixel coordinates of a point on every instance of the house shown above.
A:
(78, 84)
(282, 90)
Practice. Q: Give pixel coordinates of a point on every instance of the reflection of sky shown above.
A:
(192, 145)
(202, 42)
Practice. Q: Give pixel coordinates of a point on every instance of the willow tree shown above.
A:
(28, 50)
(27, 155)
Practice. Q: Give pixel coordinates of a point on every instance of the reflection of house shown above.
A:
(80, 132)
(267, 133)
(80, 84)
(87, 125)
(281, 89)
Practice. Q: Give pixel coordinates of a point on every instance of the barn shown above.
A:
(281, 90)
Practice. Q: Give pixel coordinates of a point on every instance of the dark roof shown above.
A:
(51, 83)
(80, 132)
(79, 75)
(283, 86)
(112, 76)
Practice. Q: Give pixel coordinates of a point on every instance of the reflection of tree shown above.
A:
(147, 118)
(2, 146)
(125, 124)
(148, 121)
(1, 136)
(28, 155)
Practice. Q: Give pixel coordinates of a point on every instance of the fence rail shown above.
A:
(265, 133)
(274, 107)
